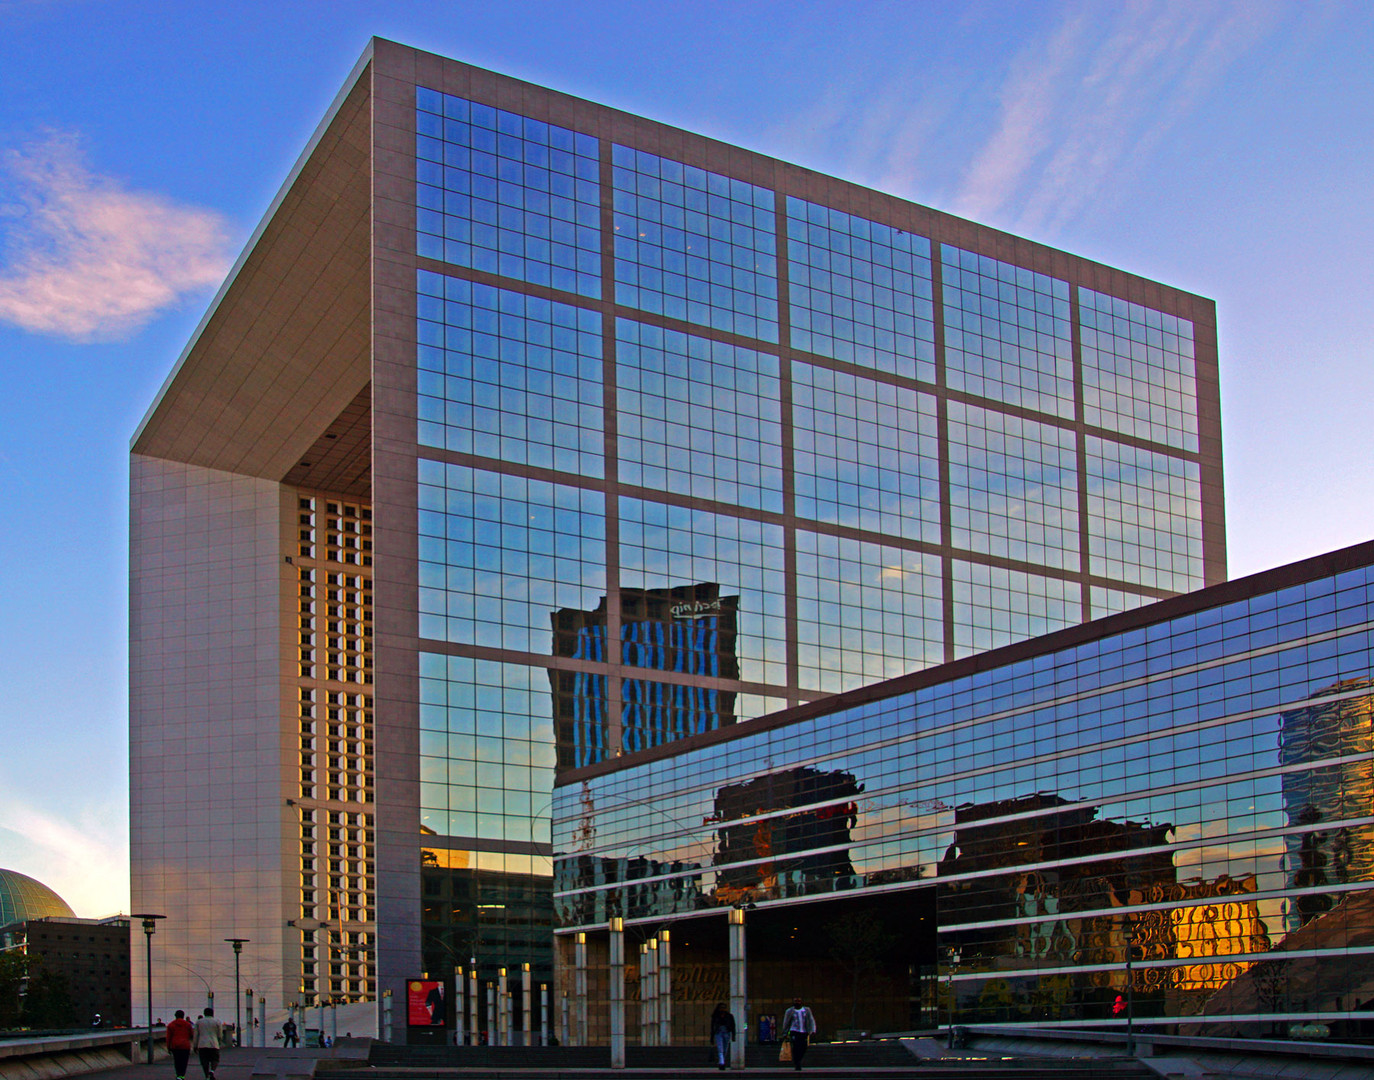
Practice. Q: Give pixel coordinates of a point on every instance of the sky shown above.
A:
(1224, 148)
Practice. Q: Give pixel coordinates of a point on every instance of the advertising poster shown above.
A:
(425, 1003)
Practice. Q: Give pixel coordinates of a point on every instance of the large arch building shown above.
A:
(527, 434)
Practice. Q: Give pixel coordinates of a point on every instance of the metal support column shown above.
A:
(526, 1003)
(580, 988)
(502, 1008)
(474, 1003)
(738, 996)
(665, 990)
(459, 1011)
(616, 994)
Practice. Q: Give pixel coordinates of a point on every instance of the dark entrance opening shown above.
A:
(861, 962)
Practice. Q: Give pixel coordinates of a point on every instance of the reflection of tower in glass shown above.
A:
(1058, 858)
(1338, 730)
(793, 854)
(687, 629)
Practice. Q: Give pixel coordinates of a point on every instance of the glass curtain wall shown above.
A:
(1196, 788)
(675, 422)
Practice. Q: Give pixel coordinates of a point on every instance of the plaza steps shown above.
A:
(870, 1060)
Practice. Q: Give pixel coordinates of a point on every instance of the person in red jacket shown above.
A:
(179, 1033)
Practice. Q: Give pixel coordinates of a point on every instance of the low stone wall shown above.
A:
(55, 1056)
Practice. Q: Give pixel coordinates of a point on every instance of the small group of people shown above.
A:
(205, 1037)
(798, 1025)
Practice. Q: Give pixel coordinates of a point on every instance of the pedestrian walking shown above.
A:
(290, 1036)
(798, 1025)
(180, 1032)
(206, 1041)
(722, 1034)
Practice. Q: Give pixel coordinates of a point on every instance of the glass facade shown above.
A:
(763, 448)
(1197, 786)
(530, 437)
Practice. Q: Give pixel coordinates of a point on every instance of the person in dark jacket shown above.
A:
(722, 1034)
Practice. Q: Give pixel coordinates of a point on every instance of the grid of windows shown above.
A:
(508, 376)
(995, 606)
(1008, 332)
(1111, 601)
(663, 547)
(1144, 517)
(860, 291)
(1013, 487)
(654, 713)
(507, 194)
(510, 562)
(694, 245)
(333, 720)
(864, 612)
(698, 417)
(498, 553)
(486, 749)
(1198, 780)
(1139, 376)
(866, 454)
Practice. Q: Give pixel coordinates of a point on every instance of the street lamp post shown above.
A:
(954, 956)
(1130, 990)
(149, 929)
(238, 943)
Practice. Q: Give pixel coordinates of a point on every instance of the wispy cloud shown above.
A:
(86, 864)
(87, 259)
(1087, 106)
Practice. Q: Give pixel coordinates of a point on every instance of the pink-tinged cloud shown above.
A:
(85, 258)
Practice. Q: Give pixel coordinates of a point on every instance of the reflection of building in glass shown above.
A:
(1230, 926)
(1053, 805)
(1082, 864)
(688, 630)
(803, 849)
(1333, 846)
(484, 904)
(571, 361)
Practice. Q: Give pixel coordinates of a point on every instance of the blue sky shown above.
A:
(1223, 148)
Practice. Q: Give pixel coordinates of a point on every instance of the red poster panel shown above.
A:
(425, 1003)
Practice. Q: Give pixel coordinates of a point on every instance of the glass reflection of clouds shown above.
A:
(508, 376)
(860, 291)
(694, 245)
(866, 454)
(486, 749)
(1138, 371)
(864, 611)
(1198, 782)
(664, 546)
(698, 417)
(507, 194)
(1144, 516)
(1013, 487)
(1008, 333)
(499, 553)
(994, 606)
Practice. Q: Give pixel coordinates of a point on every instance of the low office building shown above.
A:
(989, 840)
(83, 964)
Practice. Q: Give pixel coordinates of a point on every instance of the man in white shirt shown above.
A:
(798, 1024)
(206, 1041)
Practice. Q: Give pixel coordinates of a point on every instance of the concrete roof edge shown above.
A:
(349, 84)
